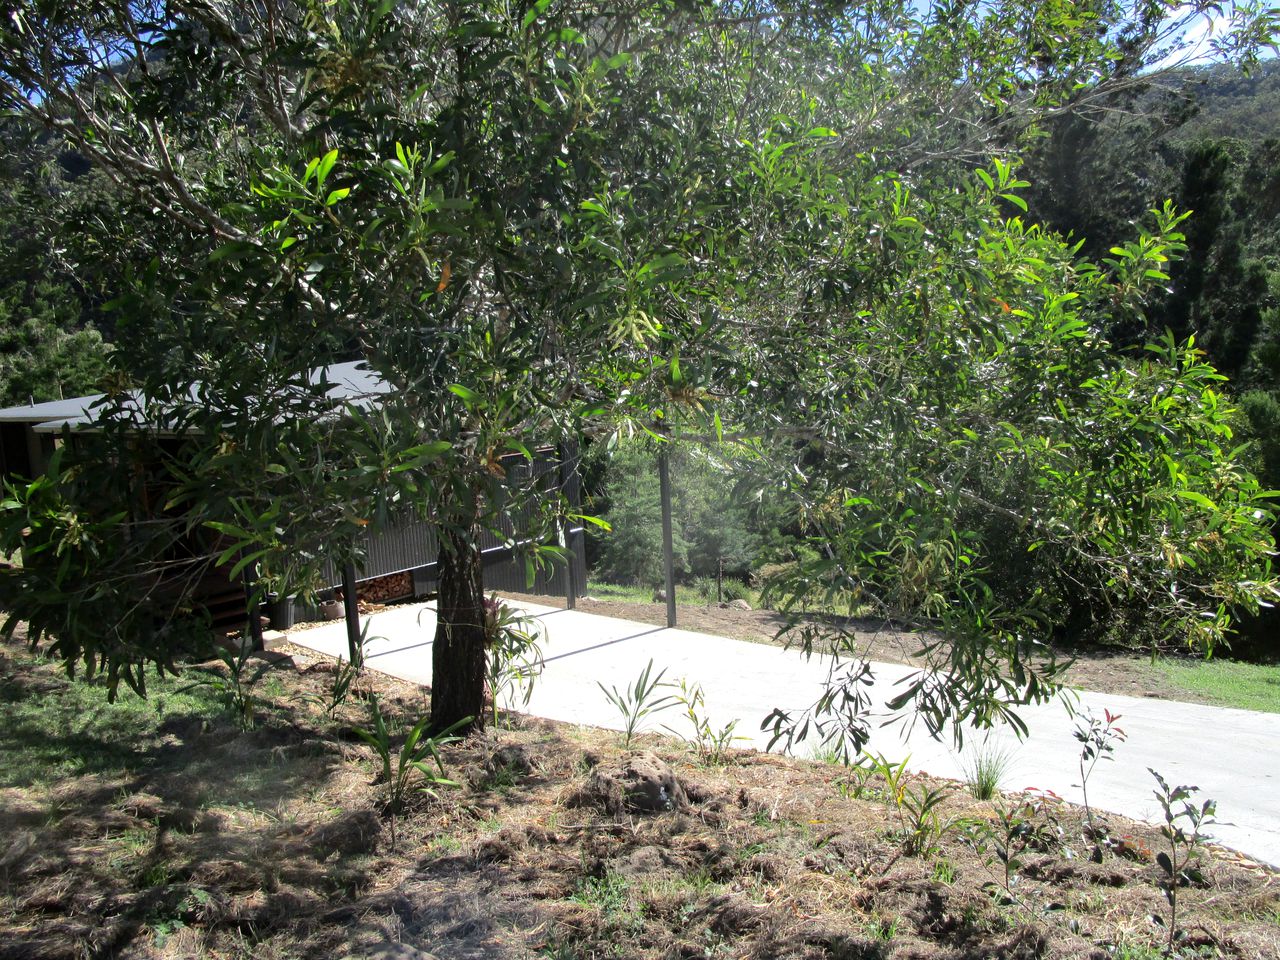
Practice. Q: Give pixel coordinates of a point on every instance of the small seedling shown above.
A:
(515, 657)
(1098, 739)
(398, 766)
(638, 701)
(345, 676)
(944, 872)
(236, 689)
(857, 784)
(986, 769)
(922, 827)
(895, 776)
(1183, 828)
(829, 752)
(712, 745)
(882, 929)
(1031, 823)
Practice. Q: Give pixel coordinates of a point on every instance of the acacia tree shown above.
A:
(527, 217)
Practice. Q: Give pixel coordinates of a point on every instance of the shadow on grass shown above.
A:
(160, 816)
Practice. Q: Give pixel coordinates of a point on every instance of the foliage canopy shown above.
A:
(785, 223)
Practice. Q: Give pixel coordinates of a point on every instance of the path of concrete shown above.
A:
(1232, 755)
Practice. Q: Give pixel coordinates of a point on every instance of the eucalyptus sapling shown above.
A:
(1098, 738)
(1183, 828)
(712, 744)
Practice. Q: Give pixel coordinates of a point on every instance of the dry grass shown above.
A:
(204, 841)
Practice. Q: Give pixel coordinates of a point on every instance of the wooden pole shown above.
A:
(572, 487)
(668, 549)
(254, 609)
(351, 605)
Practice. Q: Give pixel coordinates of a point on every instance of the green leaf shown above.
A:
(533, 13)
(1197, 498)
(594, 521)
(440, 163)
(244, 561)
(336, 195)
(468, 395)
(660, 263)
(324, 166)
(422, 454)
(233, 250)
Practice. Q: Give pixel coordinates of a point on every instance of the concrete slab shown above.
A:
(1232, 755)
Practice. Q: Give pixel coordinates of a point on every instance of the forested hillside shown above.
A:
(1214, 149)
(50, 343)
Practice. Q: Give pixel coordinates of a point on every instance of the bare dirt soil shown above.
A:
(1105, 671)
(192, 838)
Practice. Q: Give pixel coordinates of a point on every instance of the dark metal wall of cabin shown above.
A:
(412, 546)
(408, 545)
(15, 457)
(24, 454)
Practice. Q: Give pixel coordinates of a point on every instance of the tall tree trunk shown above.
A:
(458, 657)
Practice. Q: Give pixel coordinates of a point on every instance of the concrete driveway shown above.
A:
(1232, 755)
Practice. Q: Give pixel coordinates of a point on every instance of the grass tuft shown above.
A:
(986, 768)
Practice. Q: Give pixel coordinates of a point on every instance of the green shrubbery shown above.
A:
(717, 527)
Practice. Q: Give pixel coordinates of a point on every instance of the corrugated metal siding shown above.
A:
(408, 543)
(405, 543)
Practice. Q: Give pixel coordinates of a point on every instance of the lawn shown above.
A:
(686, 594)
(1230, 683)
(164, 829)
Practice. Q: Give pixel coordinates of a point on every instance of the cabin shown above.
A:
(400, 558)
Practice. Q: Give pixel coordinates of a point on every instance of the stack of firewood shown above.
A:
(395, 586)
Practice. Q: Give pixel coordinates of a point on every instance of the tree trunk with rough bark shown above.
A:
(458, 657)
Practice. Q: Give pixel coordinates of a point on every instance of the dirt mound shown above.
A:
(641, 783)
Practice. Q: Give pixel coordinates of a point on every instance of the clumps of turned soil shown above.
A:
(274, 842)
(637, 783)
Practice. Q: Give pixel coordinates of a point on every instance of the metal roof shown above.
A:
(353, 382)
(52, 410)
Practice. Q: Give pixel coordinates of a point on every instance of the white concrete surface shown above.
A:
(1232, 755)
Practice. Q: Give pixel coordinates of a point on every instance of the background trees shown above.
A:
(532, 218)
(50, 345)
(716, 526)
(1211, 148)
